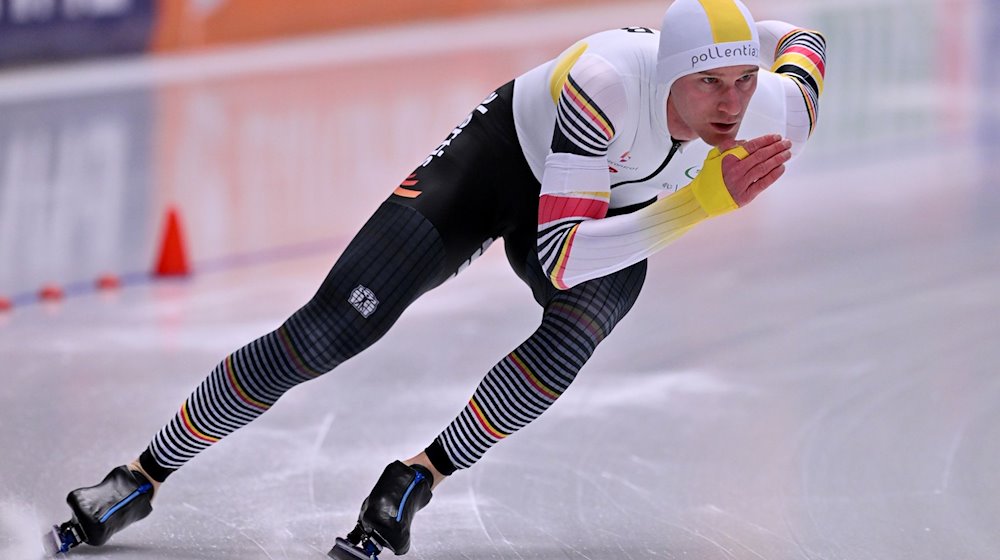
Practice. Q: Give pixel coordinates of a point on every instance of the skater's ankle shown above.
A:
(137, 467)
(425, 462)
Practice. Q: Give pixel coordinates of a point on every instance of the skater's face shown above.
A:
(711, 105)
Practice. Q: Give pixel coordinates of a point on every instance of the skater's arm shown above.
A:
(576, 186)
(728, 180)
(798, 57)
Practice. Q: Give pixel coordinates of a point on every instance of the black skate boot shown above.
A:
(121, 499)
(387, 513)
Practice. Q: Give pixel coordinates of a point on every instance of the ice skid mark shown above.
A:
(20, 532)
(711, 509)
(474, 502)
(314, 455)
(662, 513)
(620, 390)
(959, 439)
(564, 546)
(231, 526)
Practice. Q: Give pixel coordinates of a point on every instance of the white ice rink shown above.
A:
(812, 378)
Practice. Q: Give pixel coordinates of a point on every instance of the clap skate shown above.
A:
(387, 514)
(122, 498)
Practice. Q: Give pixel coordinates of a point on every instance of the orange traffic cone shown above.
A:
(172, 260)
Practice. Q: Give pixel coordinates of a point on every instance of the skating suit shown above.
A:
(574, 166)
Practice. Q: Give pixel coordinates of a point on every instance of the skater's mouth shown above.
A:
(725, 127)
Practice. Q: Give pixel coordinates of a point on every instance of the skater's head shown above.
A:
(708, 58)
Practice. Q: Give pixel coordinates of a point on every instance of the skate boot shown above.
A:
(387, 513)
(121, 499)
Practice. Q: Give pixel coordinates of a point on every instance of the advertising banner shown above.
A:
(194, 23)
(43, 30)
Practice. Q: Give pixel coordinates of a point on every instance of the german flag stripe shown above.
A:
(812, 55)
(234, 384)
(557, 272)
(577, 316)
(191, 429)
(795, 60)
(483, 421)
(300, 365)
(810, 105)
(576, 127)
(531, 378)
(800, 74)
(550, 242)
(587, 105)
(552, 207)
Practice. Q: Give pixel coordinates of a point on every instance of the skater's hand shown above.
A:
(763, 164)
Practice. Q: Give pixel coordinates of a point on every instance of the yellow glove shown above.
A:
(709, 187)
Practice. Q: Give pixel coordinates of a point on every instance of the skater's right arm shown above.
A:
(576, 187)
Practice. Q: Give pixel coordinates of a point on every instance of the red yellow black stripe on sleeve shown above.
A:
(581, 126)
(801, 55)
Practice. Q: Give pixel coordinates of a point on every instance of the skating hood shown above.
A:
(699, 35)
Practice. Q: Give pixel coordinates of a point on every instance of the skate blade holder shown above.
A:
(62, 538)
(344, 550)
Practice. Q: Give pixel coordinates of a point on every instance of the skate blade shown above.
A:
(53, 543)
(61, 538)
(344, 550)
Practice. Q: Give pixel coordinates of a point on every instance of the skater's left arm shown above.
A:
(798, 57)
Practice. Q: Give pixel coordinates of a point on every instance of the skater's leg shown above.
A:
(397, 256)
(530, 379)
(515, 392)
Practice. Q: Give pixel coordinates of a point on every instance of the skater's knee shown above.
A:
(575, 328)
(320, 336)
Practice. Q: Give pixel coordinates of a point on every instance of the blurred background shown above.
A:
(269, 127)
(813, 377)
